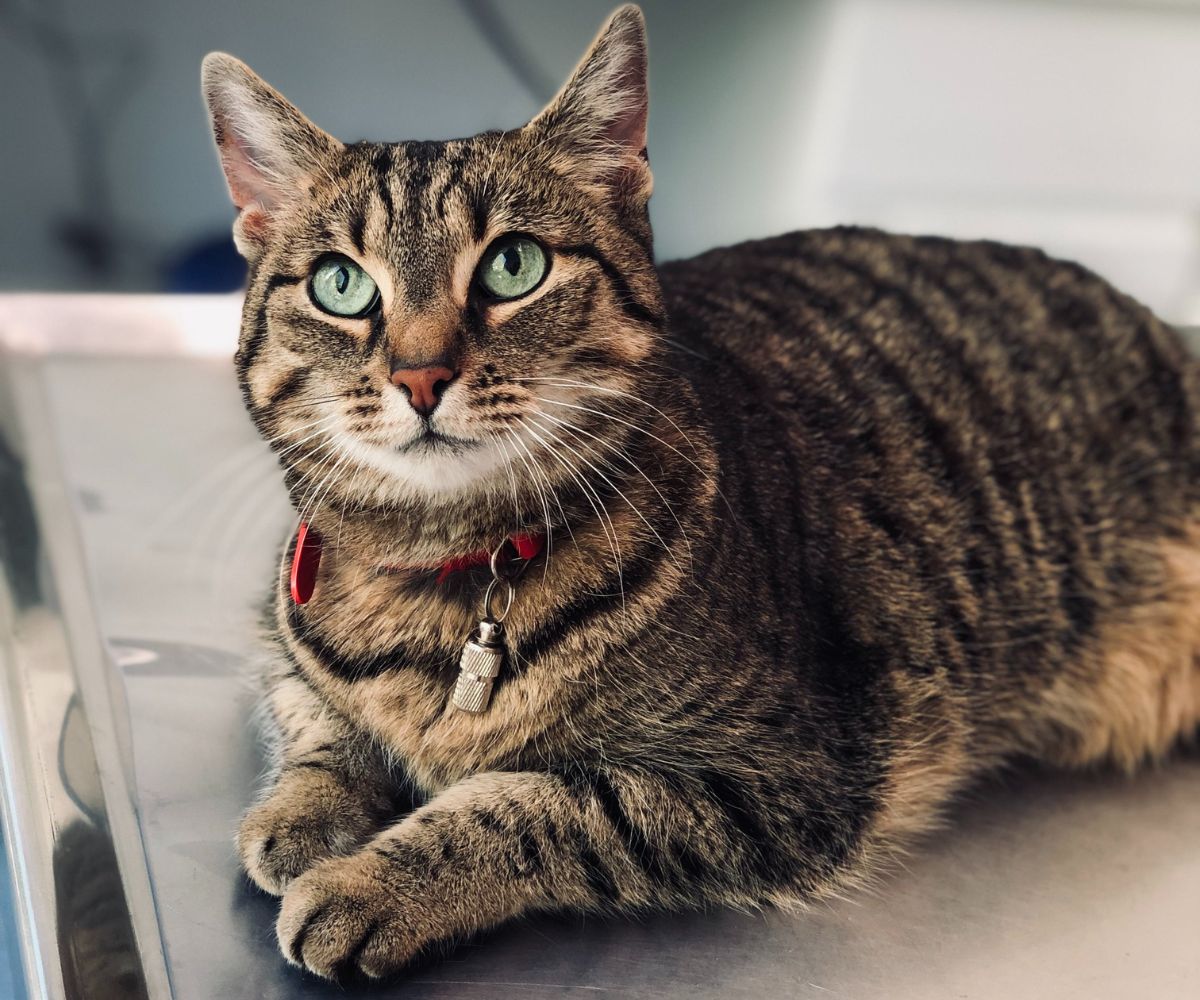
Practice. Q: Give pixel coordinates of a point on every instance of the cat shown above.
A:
(811, 531)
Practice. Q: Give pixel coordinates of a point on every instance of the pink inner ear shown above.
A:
(629, 128)
(630, 132)
(247, 186)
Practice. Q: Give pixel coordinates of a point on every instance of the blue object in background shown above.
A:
(12, 975)
(209, 265)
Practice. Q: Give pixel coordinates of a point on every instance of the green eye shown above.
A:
(341, 287)
(511, 267)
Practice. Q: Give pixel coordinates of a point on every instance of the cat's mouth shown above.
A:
(433, 442)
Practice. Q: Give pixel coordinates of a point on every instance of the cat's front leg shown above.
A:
(331, 789)
(501, 844)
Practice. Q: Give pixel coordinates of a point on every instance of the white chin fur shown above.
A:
(439, 476)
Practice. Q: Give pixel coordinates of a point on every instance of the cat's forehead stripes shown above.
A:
(381, 167)
(414, 205)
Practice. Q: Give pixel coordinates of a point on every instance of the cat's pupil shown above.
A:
(343, 279)
(512, 260)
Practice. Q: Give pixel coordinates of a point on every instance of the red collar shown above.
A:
(306, 559)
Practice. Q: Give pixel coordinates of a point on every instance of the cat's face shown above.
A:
(431, 321)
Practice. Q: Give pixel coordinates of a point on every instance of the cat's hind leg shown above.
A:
(1134, 692)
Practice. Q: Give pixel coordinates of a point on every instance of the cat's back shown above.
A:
(1000, 311)
(970, 358)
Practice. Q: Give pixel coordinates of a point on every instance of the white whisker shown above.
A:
(537, 477)
(616, 489)
(570, 384)
(626, 423)
(606, 522)
(575, 430)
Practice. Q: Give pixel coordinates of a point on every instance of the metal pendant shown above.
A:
(479, 666)
(483, 654)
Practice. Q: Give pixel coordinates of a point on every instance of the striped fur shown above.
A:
(837, 521)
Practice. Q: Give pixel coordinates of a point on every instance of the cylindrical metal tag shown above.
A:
(478, 669)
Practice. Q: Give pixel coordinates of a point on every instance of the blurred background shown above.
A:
(1067, 123)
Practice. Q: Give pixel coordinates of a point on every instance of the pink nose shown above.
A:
(425, 386)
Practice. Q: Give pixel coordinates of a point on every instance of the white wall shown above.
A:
(1068, 125)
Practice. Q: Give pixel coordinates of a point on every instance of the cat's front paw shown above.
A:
(349, 917)
(309, 817)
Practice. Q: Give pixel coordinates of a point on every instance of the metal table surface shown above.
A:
(147, 532)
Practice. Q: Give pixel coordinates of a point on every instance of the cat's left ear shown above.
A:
(269, 151)
(598, 119)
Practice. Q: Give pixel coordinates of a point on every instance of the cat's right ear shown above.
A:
(269, 151)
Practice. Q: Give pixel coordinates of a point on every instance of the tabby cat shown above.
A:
(813, 530)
